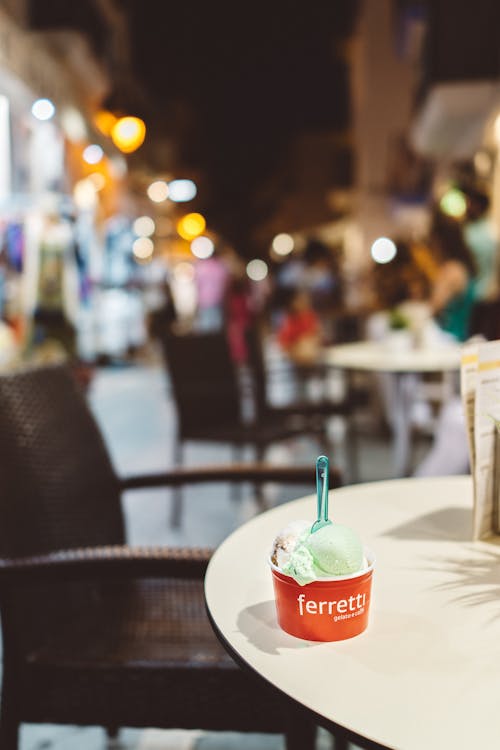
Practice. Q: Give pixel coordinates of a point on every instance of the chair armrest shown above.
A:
(256, 473)
(90, 563)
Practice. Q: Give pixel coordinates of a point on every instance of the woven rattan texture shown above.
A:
(57, 489)
(119, 651)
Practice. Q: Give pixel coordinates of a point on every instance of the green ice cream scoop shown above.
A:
(301, 566)
(336, 550)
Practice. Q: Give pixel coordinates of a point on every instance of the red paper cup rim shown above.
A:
(332, 579)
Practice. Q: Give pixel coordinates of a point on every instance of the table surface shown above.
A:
(377, 356)
(426, 673)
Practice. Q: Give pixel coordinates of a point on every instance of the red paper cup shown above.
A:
(330, 609)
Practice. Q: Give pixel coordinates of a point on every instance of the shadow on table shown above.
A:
(450, 524)
(258, 624)
(477, 579)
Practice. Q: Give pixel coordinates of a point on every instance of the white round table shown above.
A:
(378, 357)
(426, 672)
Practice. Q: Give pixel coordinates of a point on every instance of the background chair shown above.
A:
(309, 416)
(95, 632)
(212, 406)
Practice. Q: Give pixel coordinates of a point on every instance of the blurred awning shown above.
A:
(453, 118)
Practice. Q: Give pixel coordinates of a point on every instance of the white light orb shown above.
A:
(98, 180)
(158, 191)
(144, 226)
(93, 154)
(257, 269)
(85, 194)
(43, 109)
(283, 244)
(181, 191)
(143, 248)
(383, 250)
(202, 247)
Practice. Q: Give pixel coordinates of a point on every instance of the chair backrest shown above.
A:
(58, 489)
(204, 381)
(257, 368)
(485, 319)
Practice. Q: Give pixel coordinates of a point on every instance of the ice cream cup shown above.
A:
(329, 609)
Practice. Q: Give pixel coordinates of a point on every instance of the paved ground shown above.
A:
(137, 417)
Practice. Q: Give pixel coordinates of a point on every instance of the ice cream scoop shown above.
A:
(336, 550)
(287, 540)
(300, 565)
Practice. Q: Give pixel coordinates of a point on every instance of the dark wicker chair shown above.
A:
(210, 402)
(95, 632)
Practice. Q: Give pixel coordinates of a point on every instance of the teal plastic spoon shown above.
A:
(322, 492)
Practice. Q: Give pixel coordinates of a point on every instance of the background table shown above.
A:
(426, 673)
(377, 357)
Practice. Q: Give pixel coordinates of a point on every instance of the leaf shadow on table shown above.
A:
(259, 626)
(477, 579)
(449, 524)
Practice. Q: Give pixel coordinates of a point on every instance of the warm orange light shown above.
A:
(104, 121)
(128, 134)
(191, 226)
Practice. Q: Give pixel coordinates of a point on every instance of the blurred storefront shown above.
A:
(68, 280)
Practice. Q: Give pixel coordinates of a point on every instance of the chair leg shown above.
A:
(9, 724)
(236, 486)
(176, 506)
(352, 452)
(341, 743)
(260, 499)
(300, 733)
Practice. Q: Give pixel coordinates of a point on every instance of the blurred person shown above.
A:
(239, 314)
(57, 295)
(299, 333)
(452, 300)
(211, 278)
(315, 272)
(400, 286)
(481, 239)
(452, 278)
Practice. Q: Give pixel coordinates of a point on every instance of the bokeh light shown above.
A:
(104, 121)
(202, 247)
(98, 180)
(283, 244)
(483, 163)
(85, 194)
(43, 109)
(383, 250)
(73, 125)
(143, 248)
(453, 203)
(191, 226)
(181, 191)
(158, 191)
(144, 226)
(128, 133)
(257, 269)
(92, 154)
